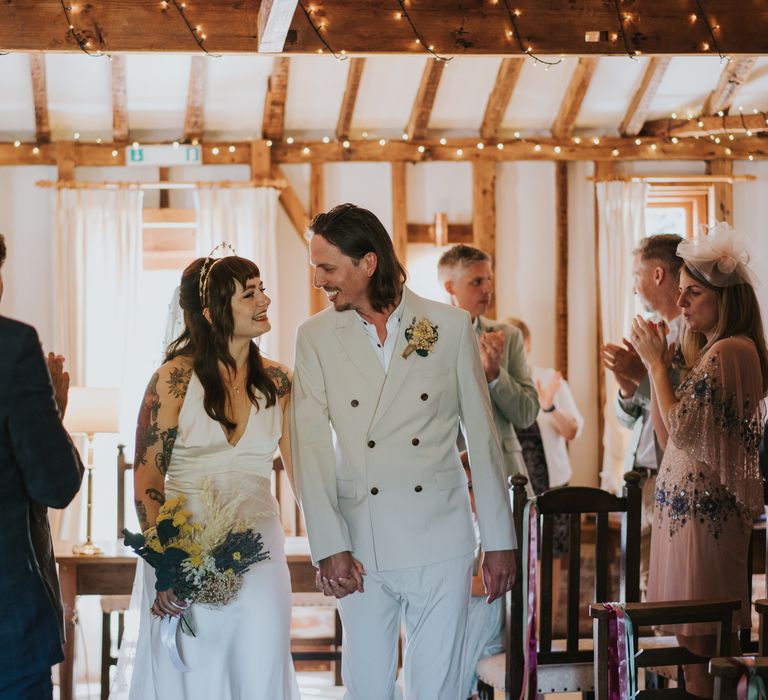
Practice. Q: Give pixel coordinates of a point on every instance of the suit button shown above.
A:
(374, 491)
(424, 397)
(355, 403)
(415, 442)
(371, 443)
(417, 489)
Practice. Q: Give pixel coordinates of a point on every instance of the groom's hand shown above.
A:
(340, 574)
(499, 571)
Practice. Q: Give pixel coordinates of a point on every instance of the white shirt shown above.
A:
(384, 350)
(555, 445)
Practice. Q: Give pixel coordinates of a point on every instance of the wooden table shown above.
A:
(112, 573)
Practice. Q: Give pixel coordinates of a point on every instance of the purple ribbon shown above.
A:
(530, 543)
(618, 664)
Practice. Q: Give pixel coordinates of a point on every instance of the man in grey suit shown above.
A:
(466, 274)
(655, 275)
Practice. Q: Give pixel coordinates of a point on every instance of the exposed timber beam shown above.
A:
(354, 74)
(723, 190)
(705, 126)
(574, 96)
(317, 297)
(640, 105)
(425, 99)
(561, 268)
(498, 101)
(40, 96)
(291, 203)
(194, 116)
(399, 211)
(484, 213)
(119, 100)
(273, 123)
(733, 76)
(274, 21)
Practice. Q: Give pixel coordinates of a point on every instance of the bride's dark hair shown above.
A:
(208, 343)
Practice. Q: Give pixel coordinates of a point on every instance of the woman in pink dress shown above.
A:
(709, 487)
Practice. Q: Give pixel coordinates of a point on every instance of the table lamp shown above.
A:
(90, 411)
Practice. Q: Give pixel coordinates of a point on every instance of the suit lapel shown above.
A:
(358, 348)
(399, 367)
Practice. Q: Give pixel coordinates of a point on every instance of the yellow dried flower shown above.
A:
(236, 556)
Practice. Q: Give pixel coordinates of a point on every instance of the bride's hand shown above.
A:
(166, 603)
(650, 341)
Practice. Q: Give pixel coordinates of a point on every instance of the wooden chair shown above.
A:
(727, 671)
(566, 664)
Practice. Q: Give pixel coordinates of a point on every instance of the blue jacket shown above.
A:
(39, 467)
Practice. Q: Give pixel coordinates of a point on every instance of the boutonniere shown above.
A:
(421, 336)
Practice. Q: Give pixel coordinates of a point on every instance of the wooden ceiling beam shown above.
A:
(354, 75)
(291, 204)
(40, 96)
(733, 76)
(555, 27)
(704, 126)
(577, 89)
(119, 100)
(640, 106)
(195, 114)
(274, 21)
(425, 99)
(273, 122)
(498, 101)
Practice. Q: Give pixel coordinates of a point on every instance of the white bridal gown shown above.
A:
(242, 650)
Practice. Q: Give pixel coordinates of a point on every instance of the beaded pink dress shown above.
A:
(709, 487)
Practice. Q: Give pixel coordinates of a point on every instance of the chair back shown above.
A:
(575, 503)
(122, 467)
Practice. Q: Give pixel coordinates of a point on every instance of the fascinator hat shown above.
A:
(720, 257)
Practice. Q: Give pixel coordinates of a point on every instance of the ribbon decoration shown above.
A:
(750, 686)
(622, 679)
(530, 645)
(168, 627)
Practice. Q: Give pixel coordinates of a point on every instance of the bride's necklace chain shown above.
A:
(238, 385)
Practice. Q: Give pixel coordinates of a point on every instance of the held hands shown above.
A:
(547, 393)
(166, 603)
(491, 349)
(60, 381)
(650, 341)
(499, 573)
(339, 575)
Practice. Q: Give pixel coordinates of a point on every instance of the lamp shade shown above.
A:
(91, 410)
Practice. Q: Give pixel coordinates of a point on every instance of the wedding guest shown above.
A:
(467, 276)
(39, 468)
(655, 274)
(381, 381)
(708, 488)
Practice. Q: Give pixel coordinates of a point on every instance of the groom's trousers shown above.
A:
(432, 602)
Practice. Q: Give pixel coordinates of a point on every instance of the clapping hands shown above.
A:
(626, 365)
(547, 393)
(60, 381)
(491, 349)
(650, 341)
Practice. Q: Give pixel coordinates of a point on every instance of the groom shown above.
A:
(381, 382)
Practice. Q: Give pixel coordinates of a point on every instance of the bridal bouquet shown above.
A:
(203, 564)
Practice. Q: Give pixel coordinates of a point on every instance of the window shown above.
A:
(680, 209)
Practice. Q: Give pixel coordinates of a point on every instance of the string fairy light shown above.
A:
(83, 43)
(625, 18)
(528, 51)
(195, 31)
(419, 39)
(705, 45)
(342, 56)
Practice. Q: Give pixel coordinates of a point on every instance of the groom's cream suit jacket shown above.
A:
(375, 458)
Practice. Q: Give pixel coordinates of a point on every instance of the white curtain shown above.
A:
(247, 218)
(621, 225)
(98, 262)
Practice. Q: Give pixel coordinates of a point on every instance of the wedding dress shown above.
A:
(241, 650)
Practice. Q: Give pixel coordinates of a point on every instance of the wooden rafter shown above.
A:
(574, 96)
(425, 99)
(723, 190)
(733, 76)
(561, 268)
(704, 126)
(399, 211)
(273, 123)
(119, 100)
(40, 95)
(194, 117)
(354, 75)
(484, 212)
(317, 297)
(498, 101)
(291, 203)
(274, 21)
(640, 105)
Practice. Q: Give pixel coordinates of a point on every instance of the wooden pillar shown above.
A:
(261, 160)
(561, 268)
(399, 211)
(484, 212)
(723, 190)
(164, 177)
(317, 299)
(65, 160)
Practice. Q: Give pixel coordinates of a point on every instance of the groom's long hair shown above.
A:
(356, 231)
(208, 343)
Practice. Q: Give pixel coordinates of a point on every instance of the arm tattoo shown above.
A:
(148, 432)
(141, 511)
(280, 379)
(179, 381)
(155, 495)
(163, 458)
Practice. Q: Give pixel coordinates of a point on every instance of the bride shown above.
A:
(214, 414)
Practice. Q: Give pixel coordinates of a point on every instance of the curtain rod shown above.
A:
(675, 178)
(276, 183)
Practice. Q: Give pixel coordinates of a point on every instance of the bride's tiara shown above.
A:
(205, 270)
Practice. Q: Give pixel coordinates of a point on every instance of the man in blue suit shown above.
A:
(39, 468)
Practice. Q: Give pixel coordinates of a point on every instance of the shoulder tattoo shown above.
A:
(178, 382)
(280, 379)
